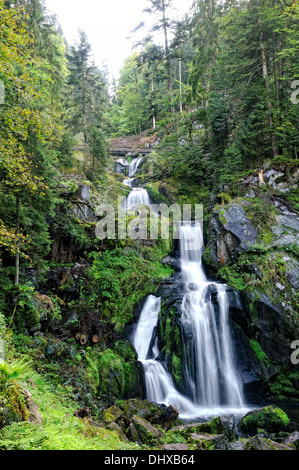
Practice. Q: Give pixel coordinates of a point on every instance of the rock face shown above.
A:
(252, 244)
(230, 232)
(121, 375)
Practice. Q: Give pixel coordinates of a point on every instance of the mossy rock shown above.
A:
(17, 405)
(119, 377)
(112, 414)
(143, 432)
(260, 443)
(210, 441)
(224, 425)
(270, 418)
(142, 408)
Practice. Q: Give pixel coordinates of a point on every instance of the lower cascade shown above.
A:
(138, 196)
(213, 385)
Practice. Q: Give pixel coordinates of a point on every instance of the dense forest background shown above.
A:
(218, 97)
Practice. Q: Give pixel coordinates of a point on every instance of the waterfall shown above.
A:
(128, 182)
(212, 377)
(159, 384)
(138, 196)
(212, 383)
(134, 166)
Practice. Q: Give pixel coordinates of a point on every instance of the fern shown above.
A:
(21, 436)
(10, 372)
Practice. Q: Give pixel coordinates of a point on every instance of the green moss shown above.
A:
(261, 356)
(271, 418)
(285, 387)
(120, 278)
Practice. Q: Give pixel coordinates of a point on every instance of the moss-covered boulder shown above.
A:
(143, 432)
(120, 373)
(112, 414)
(17, 405)
(271, 418)
(260, 443)
(156, 414)
(224, 425)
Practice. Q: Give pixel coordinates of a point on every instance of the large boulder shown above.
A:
(143, 432)
(231, 232)
(121, 375)
(156, 414)
(271, 419)
(17, 405)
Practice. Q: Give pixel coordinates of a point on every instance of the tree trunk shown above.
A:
(180, 81)
(168, 63)
(17, 259)
(153, 104)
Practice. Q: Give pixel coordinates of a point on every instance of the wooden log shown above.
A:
(95, 339)
(83, 340)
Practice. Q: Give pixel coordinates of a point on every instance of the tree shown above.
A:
(132, 97)
(87, 95)
(28, 120)
(205, 40)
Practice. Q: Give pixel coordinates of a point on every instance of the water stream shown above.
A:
(213, 385)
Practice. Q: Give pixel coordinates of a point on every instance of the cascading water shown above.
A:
(159, 384)
(212, 376)
(138, 196)
(134, 166)
(213, 386)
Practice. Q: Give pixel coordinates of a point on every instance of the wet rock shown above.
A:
(224, 425)
(292, 440)
(156, 414)
(231, 232)
(210, 442)
(172, 262)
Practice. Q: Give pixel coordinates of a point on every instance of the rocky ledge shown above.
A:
(156, 426)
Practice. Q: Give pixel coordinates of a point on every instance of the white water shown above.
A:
(159, 384)
(134, 166)
(136, 197)
(212, 376)
(128, 182)
(213, 385)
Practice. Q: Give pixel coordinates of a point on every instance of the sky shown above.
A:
(107, 23)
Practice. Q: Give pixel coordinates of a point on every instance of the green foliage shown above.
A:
(13, 372)
(262, 357)
(120, 278)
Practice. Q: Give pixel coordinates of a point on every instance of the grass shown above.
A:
(62, 429)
